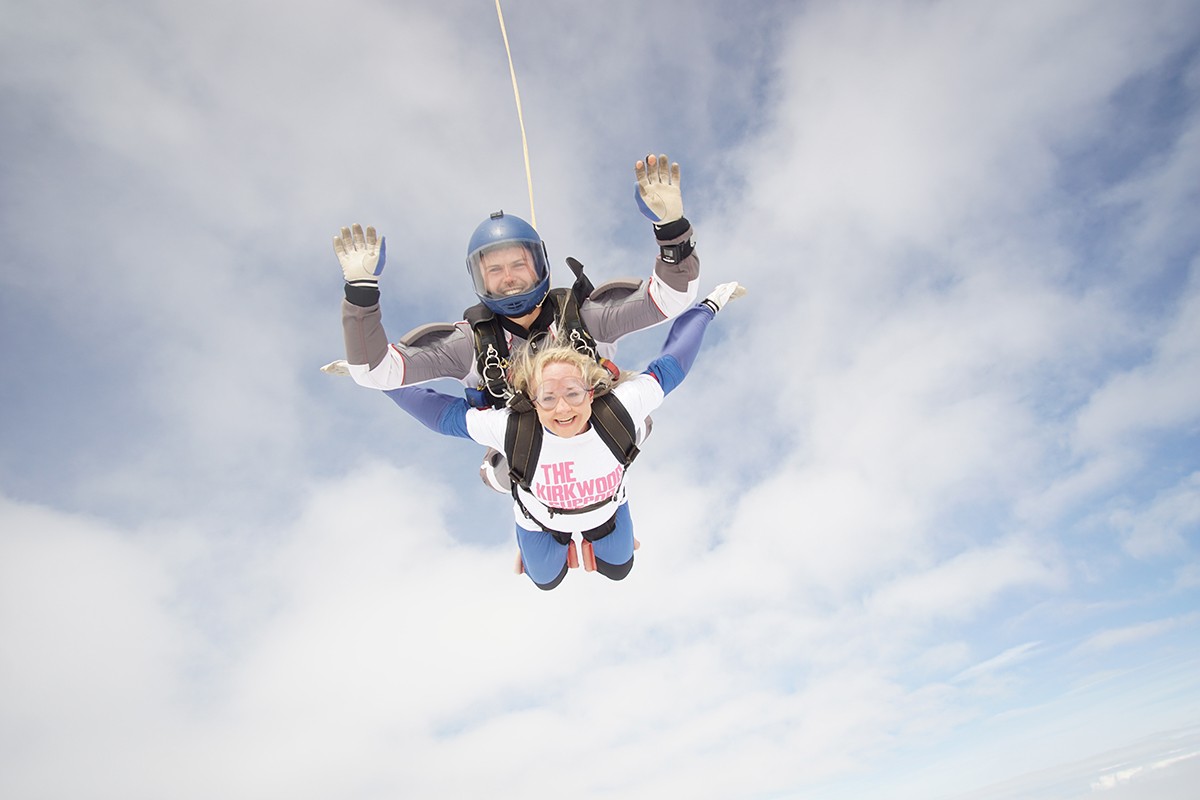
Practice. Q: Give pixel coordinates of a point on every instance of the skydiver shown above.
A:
(569, 418)
(508, 266)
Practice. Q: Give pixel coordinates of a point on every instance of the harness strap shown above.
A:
(522, 446)
(600, 531)
(615, 428)
(572, 321)
(491, 357)
(564, 537)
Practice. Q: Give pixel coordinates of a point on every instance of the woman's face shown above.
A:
(562, 385)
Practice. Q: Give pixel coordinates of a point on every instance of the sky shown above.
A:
(924, 521)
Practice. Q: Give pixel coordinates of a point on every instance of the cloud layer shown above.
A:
(922, 522)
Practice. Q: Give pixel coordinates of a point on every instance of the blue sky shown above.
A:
(923, 523)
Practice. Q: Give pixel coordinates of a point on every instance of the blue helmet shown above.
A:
(506, 260)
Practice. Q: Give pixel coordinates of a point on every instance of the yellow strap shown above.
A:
(520, 117)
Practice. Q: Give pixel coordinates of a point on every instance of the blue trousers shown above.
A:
(545, 559)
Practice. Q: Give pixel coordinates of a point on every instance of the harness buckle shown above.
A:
(494, 374)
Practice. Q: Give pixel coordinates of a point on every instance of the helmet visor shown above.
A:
(507, 269)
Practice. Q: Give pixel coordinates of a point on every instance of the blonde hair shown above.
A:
(527, 366)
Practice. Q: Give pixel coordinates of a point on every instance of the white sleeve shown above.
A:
(640, 396)
(672, 302)
(388, 374)
(487, 426)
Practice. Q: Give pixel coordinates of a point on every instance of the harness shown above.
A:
(523, 437)
(491, 345)
(523, 446)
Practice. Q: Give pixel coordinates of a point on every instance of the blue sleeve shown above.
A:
(439, 412)
(680, 349)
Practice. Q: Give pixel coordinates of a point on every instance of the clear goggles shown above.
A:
(574, 392)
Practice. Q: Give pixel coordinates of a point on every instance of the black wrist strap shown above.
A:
(363, 293)
(674, 253)
(672, 230)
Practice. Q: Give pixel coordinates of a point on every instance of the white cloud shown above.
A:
(1133, 634)
(89, 647)
(1007, 659)
(1160, 394)
(1164, 527)
(959, 587)
(361, 630)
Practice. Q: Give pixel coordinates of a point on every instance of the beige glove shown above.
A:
(657, 193)
(361, 255)
(339, 367)
(721, 295)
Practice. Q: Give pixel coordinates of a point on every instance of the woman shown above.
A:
(573, 484)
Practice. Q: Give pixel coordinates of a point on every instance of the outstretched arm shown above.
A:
(621, 307)
(425, 354)
(687, 333)
(362, 255)
(441, 413)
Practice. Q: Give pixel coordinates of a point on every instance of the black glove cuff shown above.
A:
(363, 294)
(672, 230)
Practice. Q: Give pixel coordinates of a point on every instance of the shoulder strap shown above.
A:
(569, 303)
(477, 313)
(615, 428)
(491, 356)
(522, 446)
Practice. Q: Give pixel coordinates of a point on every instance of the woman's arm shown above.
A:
(680, 349)
(687, 332)
(441, 413)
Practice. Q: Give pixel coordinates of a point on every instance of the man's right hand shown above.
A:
(361, 256)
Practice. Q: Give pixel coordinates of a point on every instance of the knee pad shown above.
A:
(545, 587)
(614, 572)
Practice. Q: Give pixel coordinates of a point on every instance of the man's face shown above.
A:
(507, 271)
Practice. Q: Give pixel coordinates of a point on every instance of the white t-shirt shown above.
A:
(575, 472)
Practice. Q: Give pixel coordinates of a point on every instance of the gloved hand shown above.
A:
(657, 192)
(339, 367)
(721, 295)
(361, 256)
